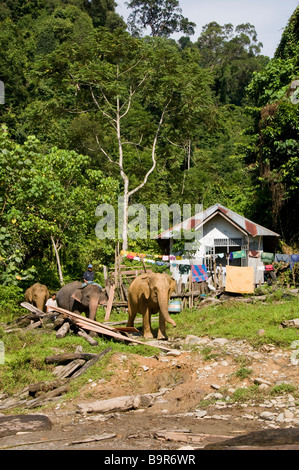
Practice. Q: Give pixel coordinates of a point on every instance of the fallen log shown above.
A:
(49, 396)
(45, 386)
(63, 330)
(91, 362)
(123, 403)
(70, 368)
(290, 323)
(68, 357)
(87, 337)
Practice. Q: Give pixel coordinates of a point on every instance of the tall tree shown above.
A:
(233, 53)
(274, 153)
(163, 17)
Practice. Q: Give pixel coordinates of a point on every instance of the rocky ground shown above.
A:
(186, 400)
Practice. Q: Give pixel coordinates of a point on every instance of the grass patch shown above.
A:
(234, 320)
(243, 373)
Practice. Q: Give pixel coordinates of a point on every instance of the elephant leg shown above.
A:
(147, 330)
(162, 328)
(132, 314)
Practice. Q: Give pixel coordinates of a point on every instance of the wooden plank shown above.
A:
(104, 329)
(110, 302)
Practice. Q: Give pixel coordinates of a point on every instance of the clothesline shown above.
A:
(167, 260)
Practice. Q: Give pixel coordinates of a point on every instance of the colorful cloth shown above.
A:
(238, 254)
(199, 273)
(294, 259)
(239, 280)
(267, 258)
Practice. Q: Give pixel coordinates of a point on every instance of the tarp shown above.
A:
(240, 279)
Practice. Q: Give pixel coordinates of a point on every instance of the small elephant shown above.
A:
(148, 295)
(76, 299)
(37, 295)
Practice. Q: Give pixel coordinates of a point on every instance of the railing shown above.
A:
(228, 242)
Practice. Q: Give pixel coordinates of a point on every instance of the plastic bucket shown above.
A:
(174, 306)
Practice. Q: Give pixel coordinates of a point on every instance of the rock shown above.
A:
(224, 363)
(192, 340)
(260, 381)
(10, 425)
(220, 341)
(263, 387)
(218, 396)
(174, 352)
(215, 386)
(268, 416)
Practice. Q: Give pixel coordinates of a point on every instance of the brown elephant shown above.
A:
(148, 295)
(37, 295)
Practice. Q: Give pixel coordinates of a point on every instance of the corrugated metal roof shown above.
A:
(244, 224)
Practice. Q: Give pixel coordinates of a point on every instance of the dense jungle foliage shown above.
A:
(90, 104)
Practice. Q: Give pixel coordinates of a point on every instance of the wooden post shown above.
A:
(105, 274)
(110, 303)
(215, 273)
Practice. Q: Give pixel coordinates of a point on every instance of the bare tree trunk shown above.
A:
(56, 249)
(114, 119)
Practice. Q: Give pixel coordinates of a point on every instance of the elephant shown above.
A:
(37, 295)
(149, 294)
(76, 299)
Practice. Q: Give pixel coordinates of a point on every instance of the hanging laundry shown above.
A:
(184, 268)
(160, 263)
(269, 267)
(238, 254)
(240, 280)
(165, 258)
(199, 273)
(294, 259)
(267, 258)
(254, 254)
(280, 257)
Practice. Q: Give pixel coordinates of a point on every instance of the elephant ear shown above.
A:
(28, 295)
(77, 295)
(144, 288)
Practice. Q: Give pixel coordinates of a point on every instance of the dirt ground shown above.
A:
(177, 420)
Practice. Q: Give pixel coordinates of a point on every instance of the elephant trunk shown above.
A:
(163, 305)
(93, 305)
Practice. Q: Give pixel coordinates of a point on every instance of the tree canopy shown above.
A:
(94, 111)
